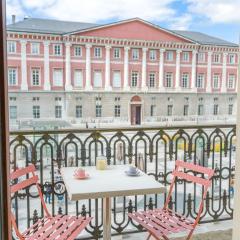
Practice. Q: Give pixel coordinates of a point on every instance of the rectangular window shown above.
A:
(57, 49)
(35, 76)
(117, 110)
(169, 80)
(98, 110)
(152, 80)
(215, 109)
(216, 58)
(78, 111)
(185, 110)
(116, 53)
(185, 56)
(216, 81)
(230, 109)
(200, 109)
(232, 58)
(35, 48)
(153, 110)
(200, 81)
(78, 51)
(231, 81)
(97, 79)
(12, 76)
(185, 80)
(78, 78)
(201, 57)
(97, 52)
(58, 111)
(135, 54)
(152, 55)
(11, 47)
(134, 79)
(58, 77)
(13, 112)
(169, 56)
(170, 110)
(36, 111)
(116, 79)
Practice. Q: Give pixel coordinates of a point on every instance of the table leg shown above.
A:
(107, 218)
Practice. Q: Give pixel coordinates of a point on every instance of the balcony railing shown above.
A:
(154, 150)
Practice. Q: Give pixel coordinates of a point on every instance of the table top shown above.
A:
(112, 182)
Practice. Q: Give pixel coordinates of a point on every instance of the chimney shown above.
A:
(13, 19)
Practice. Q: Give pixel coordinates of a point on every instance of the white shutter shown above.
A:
(58, 77)
(97, 79)
(117, 79)
(78, 78)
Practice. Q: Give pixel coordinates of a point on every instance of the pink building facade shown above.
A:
(118, 60)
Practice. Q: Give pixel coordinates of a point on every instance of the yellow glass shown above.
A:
(101, 163)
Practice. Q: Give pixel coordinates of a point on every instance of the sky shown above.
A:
(220, 18)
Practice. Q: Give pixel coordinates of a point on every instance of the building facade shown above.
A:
(130, 72)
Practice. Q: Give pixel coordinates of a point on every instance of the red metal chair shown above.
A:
(162, 222)
(60, 227)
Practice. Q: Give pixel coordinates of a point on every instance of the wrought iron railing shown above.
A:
(152, 149)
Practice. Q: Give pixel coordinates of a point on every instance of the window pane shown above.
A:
(117, 79)
(97, 79)
(57, 77)
(78, 78)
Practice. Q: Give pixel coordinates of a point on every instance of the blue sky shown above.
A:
(219, 18)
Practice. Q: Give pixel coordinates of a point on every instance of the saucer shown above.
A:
(81, 177)
(137, 173)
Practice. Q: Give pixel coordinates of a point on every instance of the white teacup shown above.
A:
(132, 169)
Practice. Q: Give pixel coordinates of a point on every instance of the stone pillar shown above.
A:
(107, 69)
(88, 84)
(144, 69)
(194, 70)
(126, 84)
(178, 59)
(47, 85)
(224, 73)
(161, 69)
(209, 72)
(24, 84)
(68, 83)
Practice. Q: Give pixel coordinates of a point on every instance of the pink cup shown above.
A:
(80, 173)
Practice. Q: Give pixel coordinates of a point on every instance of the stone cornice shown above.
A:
(74, 39)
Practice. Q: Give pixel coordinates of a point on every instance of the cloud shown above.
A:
(217, 11)
(181, 23)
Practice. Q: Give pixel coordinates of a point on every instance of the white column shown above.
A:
(68, 84)
(224, 73)
(209, 72)
(125, 83)
(47, 85)
(161, 69)
(24, 84)
(178, 59)
(107, 69)
(88, 85)
(194, 70)
(144, 69)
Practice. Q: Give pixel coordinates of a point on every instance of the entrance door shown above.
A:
(135, 114)
(138, 115)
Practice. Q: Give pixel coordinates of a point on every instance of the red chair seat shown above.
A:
(162, 222)
(60, 227)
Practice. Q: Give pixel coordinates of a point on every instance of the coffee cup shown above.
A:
(132, 169)
(80, 172)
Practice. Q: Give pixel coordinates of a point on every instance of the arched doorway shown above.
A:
(136, 110)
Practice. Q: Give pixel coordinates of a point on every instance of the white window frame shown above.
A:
(97, 83)
(169, 79)
(13, 114)
(116, 53)
(36, 111)
(185, 110)
(185, 56)
(169, 56)
(78, 78)
(153, 110)
(116, 73)
(57, 49)
(134, 79)
(230, 109)
(10, 75)
(185, 80)
(98, 110)
(200, 81)
(201, 57)
(58, 111)
(152, 79)
(232, 58)
(215, 109)
(79, 112)
(216, 81)
(117, 110)
(231, 81)
(77, 51)
(152, 54)
(135, 54)
(57, 82)
(35, 48)
(200, 109)
(12, 46)
(169, 109)
(97, 52)
(216, 58)
(36, 76)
